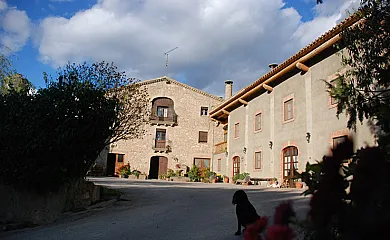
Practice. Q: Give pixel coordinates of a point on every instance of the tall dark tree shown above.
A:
(363, 91)
(56, 134)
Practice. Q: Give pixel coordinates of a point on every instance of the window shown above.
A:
(236, 130)
(258, 122)
(338, 140)
(258, 160)
(236, 165)
(202, 137)
(225, 136)
(202, 162)
(204, 111)
(288, 110)
(219, 164)
(333, 100)
(120, 157)
(162, 111)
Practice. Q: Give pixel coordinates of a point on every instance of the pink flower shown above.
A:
(252, 230)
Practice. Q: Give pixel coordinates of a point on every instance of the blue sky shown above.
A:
(217, 40)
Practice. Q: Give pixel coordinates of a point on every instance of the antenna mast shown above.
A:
(166, 61)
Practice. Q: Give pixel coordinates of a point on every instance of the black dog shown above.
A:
(246, 213)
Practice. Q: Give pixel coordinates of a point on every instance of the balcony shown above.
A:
(166, 121)
(162, 146)
(220, 148)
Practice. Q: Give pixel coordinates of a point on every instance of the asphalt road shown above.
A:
(164, 210)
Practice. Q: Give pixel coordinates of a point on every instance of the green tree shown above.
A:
(363, 91)
(15, 81)
(56, 134)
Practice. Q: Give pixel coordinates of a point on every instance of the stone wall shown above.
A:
(36, 208)
(182, 137)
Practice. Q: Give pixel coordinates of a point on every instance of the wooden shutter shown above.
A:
(288, 110)
(236, 130)
(257, 160)
(202, 137)
(258, 122)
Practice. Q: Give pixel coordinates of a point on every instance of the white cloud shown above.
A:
(3, 5)
(217, 39)
(15, 29)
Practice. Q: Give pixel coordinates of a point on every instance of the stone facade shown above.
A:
(182, 144)
(310, 126)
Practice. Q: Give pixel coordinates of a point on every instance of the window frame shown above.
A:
(206, 110)
(202, 162)
(255, 166)
(286, 99)
(199, 136)
(255, 121)
(236, 129)
(331, 79)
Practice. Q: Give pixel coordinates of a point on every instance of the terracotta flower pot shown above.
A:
(226, 180)
(298, 185)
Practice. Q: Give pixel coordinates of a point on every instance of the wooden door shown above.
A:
(162, 165)
(290, 164)
(236, 165)
(160, 138)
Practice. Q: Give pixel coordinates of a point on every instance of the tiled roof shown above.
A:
(304, 51)
(164, 78)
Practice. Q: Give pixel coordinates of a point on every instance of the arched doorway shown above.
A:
(290, 164)
(158, 166)
(236, 165)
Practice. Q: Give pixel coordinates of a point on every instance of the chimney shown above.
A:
(228, 89)
(272, 65)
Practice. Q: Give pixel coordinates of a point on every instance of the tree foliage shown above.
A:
(363, 90)
(56, 134)
(350, 194)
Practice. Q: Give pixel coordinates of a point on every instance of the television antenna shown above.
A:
(166, 61)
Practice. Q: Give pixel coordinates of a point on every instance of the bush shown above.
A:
(135, 173)
(240, 176)
(125, 170)
(194, 174)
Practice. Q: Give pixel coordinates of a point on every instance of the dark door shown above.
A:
(111, 159)
(290, 165)
(153, 170)
(236, 165)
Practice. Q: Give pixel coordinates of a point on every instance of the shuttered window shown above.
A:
(258, 160)
(288, 110)
(258, 122)
(202, 137)
(219, 164)
(236, 130)
(333, 100)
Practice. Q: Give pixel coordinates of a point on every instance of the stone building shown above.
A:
(180, 132)
(286, 118)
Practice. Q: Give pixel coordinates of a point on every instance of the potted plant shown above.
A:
(135, 174)
(124, 171)
(225, 179)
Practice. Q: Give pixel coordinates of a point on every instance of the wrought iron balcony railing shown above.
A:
(171, 120)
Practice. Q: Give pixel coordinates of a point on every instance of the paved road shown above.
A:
(164, 210)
